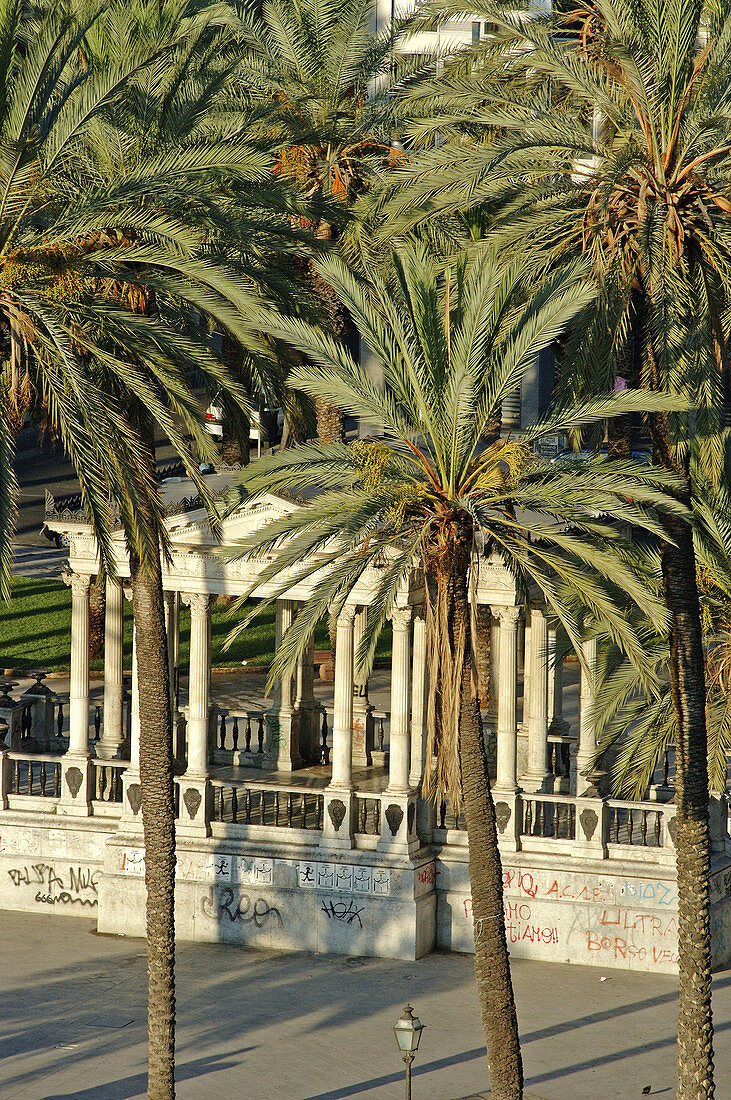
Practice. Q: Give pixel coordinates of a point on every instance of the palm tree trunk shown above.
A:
(158, 816)
(692, 841)
(492, 964)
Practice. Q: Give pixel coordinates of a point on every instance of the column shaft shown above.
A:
(537, 770)
(507, 729)
(113, 718)
(342, 751)
(398, 761)
(134, 736)
(79, 686)
(419, 690)
(587, 726)
(198, 683)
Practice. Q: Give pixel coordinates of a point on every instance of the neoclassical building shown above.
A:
(300, 823)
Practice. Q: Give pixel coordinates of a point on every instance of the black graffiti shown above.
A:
(54, 890)
(64, 898)
(343, 911)
(239, 909)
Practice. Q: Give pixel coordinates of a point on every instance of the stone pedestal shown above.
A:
(76, 786)
(339, 818)
(508, 810)
(398, 824)
(591, 826)
(195, 805)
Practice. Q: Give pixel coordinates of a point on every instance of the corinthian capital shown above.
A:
(79, 583)
(198, 602)
(401, 617)
(508, 616)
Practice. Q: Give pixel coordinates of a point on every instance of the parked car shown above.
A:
(265, 427)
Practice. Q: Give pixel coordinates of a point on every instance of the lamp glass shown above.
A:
(408, 1031)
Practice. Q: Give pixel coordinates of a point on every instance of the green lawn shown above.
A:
(35, 631)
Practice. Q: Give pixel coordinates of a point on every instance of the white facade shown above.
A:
(277, 849)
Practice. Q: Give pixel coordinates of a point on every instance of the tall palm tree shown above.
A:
(602, 129)
(105, 261)
(432, 491)
(320, 77)
(636, 723)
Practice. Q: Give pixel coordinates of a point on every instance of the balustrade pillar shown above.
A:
(198, 682)
(537, 772)
(507, 725)
(113, 734)
(399, 739)
(419, 688)
(585, 783)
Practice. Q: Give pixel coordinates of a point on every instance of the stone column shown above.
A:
(419, 687)
(398, 764)
(172, 631)
(507, 726)
(283, 725)
(113, 734)
(585, 784)
(134, 725)
(131, 790)
(342, 750)
(362, 710)
(198, 683)
(79, 685)
(306, 705)
(537, 773)
(492, 710)
(556, 723)
(338, 821)
(76, 789)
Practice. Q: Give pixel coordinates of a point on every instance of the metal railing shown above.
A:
(367, 815)
(36, 775)
(107, 780)
(549, 816)
(253, 804)
(633, 823)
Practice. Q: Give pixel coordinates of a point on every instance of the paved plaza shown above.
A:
(254, 1025)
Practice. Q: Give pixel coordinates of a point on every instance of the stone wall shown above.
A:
(348, 903)
(51, 864)
(617, 914)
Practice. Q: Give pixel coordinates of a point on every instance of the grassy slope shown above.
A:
(35, 631)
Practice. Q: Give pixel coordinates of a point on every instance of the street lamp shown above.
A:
(408, 1031)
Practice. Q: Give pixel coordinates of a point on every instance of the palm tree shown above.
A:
(431, 491)
(105, 262)
(320, 77)
(636, 724)
(602, 129)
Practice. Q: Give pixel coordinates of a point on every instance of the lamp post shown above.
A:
(408, 1031)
